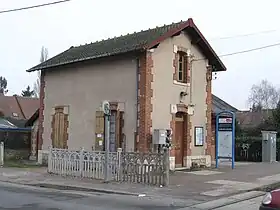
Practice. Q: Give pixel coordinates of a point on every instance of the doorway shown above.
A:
(179, 139)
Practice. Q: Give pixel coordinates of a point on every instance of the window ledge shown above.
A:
(181, 83)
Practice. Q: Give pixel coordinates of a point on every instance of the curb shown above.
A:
(214, 204)
(83, 189)
(267, 187)
(242, 195)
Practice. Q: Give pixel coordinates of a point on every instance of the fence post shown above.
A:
(166, 166)
(2, 154)
(119, 169)
(50, 160)
(81, 166)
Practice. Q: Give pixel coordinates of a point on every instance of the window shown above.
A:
(182, 67)
(15, 114)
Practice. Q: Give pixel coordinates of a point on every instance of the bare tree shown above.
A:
(264, 95)
(3, 85)
(44, 57)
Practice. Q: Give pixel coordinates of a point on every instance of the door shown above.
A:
(179, 139)
(59, 128)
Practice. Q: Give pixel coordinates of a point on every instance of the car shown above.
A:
(271, 201)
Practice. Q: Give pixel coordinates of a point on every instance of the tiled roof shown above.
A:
(28, 105)
(220, 105)
(250, 119)
(9, 105)
(131, 42)
(18, 107)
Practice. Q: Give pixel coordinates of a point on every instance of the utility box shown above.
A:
(269, 146)
(159, 136)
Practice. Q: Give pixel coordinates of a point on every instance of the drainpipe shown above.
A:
(191, 82)
(190, 62)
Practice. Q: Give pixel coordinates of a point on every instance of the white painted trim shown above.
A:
(40, 155)
(188, 160)
(180, 83)
(172, 163)
(175, 48)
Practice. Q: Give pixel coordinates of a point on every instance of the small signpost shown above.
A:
(107, 113)
(225, 137)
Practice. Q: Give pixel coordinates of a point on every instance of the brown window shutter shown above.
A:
(99, 130)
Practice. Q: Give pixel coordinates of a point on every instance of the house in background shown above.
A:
(252, 119)
(220, 105)
(154, 79)
(18, 109)
(14, 113)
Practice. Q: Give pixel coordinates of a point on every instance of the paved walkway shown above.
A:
(199, 185)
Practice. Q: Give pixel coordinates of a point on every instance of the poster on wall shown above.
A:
(199, 136)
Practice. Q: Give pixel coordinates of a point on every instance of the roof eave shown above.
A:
(218, 60)
(184, 25)
(32, 118)
(37, 68)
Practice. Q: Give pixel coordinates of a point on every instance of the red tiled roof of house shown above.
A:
(18, 107)
(249, 119)
(28, 105)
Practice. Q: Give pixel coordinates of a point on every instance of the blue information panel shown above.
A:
(225, 137)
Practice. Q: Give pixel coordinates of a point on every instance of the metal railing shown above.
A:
(146, 168)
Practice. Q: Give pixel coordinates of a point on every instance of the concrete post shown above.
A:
(50, 167)
(107, 148)
(166, 166)
(2, 154)
(81, 161)
(119, 155)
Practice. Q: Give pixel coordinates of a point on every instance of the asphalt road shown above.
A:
(15, 197)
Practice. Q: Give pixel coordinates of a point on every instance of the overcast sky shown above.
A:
(78, 22)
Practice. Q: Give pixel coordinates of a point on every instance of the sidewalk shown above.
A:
(198, 185)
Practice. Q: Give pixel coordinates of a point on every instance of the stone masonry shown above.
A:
(145, 94)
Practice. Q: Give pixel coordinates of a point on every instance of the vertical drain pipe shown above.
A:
(190, 62)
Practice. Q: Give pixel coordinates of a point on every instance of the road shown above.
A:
(17, 197)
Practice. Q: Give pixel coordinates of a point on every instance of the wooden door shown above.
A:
(179, 139)
(58, 128)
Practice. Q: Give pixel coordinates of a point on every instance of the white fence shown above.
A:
(146, 168)
(82, 163)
